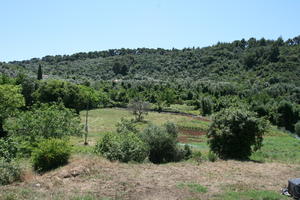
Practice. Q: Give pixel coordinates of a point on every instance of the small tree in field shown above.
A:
(139, 108)
(236, 133)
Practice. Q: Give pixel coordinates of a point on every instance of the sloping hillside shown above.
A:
(267, 60)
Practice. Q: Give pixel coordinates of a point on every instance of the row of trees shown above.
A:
(279, 103)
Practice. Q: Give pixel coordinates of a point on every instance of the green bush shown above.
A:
(8, 149)
(171, 128)
(123, 147)
(211, 156)
(50, 154)
(197, 156)
(236, 133)
(42, 122)
(297, 128)
(45, 121)
(9, 172)
(163, 145)
(126, 126)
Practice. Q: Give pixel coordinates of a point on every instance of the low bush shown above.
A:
(50, 154)
(123, 147)
(162, 142)
(9, 172)
(197, 156)
(211, 156)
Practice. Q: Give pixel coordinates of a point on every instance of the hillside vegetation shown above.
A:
(220, 122)
(267, 60)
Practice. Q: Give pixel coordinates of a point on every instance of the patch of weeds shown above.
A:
(212, 157)
(252, 194)
(197, 156)
(193, 187)
(238, 187)
(10, 196)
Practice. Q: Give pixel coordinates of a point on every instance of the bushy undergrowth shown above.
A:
(44, 121)
(9, 172)
(8, 149)
(50, 154)
(124, 147)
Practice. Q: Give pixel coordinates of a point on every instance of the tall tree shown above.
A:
(40, 73)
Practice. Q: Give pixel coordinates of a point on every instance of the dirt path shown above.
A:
(101, 178)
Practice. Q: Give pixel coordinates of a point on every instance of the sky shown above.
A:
(36, 28)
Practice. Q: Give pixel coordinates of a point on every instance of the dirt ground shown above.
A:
(89, 175)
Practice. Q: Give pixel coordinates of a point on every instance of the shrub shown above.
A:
(123, 147)
(50, 154)
(8, 149)
(42, 122)
(171, 128)
(126, 126)
(211, 156)
(236, 133)
(45, 121)
(9, 172)
(187, 151)
(197, 156)
(297, 128)
(163, 145)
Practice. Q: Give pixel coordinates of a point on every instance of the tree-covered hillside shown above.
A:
(265, 61)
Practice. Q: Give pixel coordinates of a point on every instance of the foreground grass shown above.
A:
(251, 195)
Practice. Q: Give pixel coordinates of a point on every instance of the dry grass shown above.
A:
(98, 178)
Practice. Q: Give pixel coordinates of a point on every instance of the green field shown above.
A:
(278, 146)
(105, 120)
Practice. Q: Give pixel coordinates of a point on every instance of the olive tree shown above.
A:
(139, 108)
